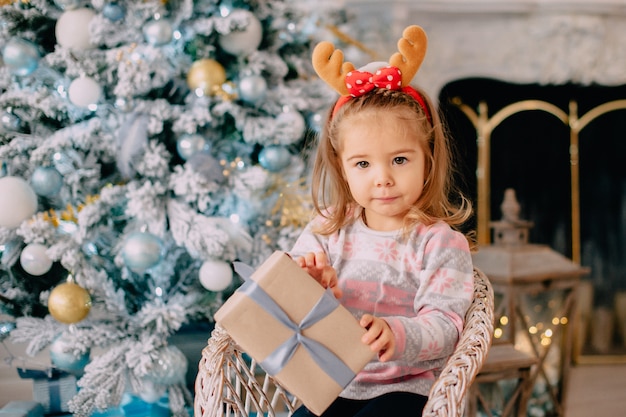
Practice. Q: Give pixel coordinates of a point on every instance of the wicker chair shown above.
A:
(231, 384)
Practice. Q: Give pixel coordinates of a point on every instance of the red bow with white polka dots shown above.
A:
(361, 82)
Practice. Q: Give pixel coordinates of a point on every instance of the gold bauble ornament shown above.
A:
(69, 303)
(206, 75)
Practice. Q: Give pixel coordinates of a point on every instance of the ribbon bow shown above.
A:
(361, 82)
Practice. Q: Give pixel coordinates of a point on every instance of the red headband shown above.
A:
(362, 82)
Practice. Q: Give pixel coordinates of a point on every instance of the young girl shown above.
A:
(384, 239)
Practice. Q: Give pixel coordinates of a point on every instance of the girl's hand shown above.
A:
(379, 337)
(316, 265)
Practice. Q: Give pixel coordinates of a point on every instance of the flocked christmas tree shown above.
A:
(145, 145)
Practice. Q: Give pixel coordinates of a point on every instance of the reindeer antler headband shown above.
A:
(349, 82)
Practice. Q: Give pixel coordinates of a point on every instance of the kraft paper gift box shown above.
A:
(296, 330)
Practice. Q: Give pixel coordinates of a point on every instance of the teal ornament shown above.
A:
(63, 356)
(46, 181)
(20, 56)
(113, 11)
(5, 329)
(315, 121)
(141, 251)
(188, 145)
(169, 367)
(274, 158)
(68, 4)
(158, 32)
(34, 259)
(252, 88)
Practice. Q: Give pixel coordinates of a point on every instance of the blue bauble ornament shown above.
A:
(158, 32)
(252, 88)
(46, 181)
(188, 145)
(20, 56)
(141, 251)
(274, 158)
(113, 11)
(63, 357)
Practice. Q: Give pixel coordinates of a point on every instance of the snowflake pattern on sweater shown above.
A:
(422, 285)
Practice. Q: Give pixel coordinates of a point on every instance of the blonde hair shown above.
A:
(331, 195)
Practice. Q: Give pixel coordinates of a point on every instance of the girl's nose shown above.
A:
(383, 179)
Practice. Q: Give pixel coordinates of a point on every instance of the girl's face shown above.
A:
(383, 162)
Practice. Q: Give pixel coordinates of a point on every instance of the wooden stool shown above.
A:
(503, 362)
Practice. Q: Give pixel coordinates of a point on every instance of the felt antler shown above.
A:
(329, 65)
(412, 49)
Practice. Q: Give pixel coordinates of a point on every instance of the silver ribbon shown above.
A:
(276, 361)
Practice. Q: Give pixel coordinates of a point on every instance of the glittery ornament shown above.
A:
(63, 357)
(69, 303)
(20, 56)
(18, 201)
(290, 127)
(169, 367)
(46, 181)
(206, 76)
(215, 275)
(274, 158)
(34, 259)
(141, 251)
(207, 166)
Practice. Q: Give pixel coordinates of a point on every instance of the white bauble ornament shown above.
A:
(252, 88)
(84, 92)
(215, 275)
(242, 42)
(169, 367)
(18, 201)
(72, 29)
(34, 259)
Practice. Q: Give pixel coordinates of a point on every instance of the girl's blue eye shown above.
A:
(399, 160)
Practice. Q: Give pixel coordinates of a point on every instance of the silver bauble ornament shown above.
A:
(207, 166)
(188, 145)
(10, 122)
(141, 251)
(243, 42)
(274, 158)
(68, 4)
(20, 56)
(290, 127)
(252, 88)
(158, 32)
(46, 181)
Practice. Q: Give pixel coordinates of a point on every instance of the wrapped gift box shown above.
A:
(51, 389)
(296, 330)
